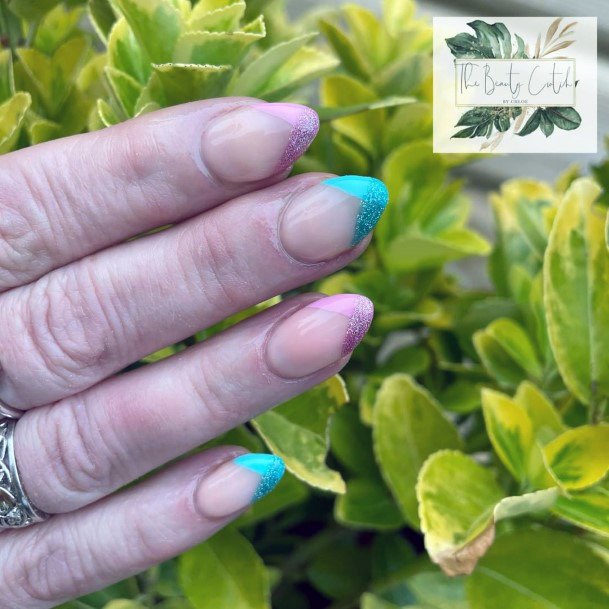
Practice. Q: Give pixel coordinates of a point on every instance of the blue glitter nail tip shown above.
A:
(373, 195)
(269, 467)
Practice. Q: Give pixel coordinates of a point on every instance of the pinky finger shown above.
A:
(74, 554)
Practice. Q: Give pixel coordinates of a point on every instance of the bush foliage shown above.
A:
(460, 460)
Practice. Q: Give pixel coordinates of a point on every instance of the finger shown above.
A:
(78, 553)
(84, 447)
(86, 321)
(64, 199)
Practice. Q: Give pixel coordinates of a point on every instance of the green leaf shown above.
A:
(335, 112)
(235, 575)
(589, 510)
(7, 80)
(183, 83)
(340, 569)
(32, 10)
(465, 45)
(214, 48)
(367, 504)
(408, 426)
(579, 457)
(298, 431)
(532, 123)
(371, 601)
(510, 431)
(12, 115)
(546, 125)
(125, 54)
(413, 252)
(368, 34)
(255, 78)
(459, 503)
(125, 87)
(56, 27)
(343, 46)
(306, 65)
(434, 589)
(575, 271)
(156, 25)
(564, 118)
(517, 344)
(102, 17)
(539, 569)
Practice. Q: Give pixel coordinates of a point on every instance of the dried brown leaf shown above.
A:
(464, 560)
(566, 28)
(552, 30)
(538, 46)
(559, 46)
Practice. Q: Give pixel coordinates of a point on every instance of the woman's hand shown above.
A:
(79, 303)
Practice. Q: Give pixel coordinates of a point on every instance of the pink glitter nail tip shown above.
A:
(305, 125)
(358, 309)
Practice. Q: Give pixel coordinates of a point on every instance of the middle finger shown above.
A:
(83, 322)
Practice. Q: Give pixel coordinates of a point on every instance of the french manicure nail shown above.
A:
(236, 484)
(257, 141)
(331, 217)
(318, 335)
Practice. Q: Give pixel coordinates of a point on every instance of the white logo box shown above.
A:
(514, 84)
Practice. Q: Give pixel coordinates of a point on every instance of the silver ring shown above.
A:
(16, 510)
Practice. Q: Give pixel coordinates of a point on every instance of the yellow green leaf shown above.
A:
(516, 343)
(459, 503)
(545, 419)
(579, 457)
(298, 432)
(156, 24)
(125, 53)
(183, 83)
(589, 510)
(364, 129)
(57, 25)
(254, 79)
(122, 603)
(351, 58)
(125, 87)
(214, 48)
(221, 19)
(235, 575)
(368, 34)
(32, 10)
(408, 426)
(576, 273)
(12, 114)
(510, 431)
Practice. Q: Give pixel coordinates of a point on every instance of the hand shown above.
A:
(79, 303)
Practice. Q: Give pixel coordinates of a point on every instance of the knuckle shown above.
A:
(23, 225)
(222, 278)
(69, 323)
(210, 386)
(47, 569)
(82, 459)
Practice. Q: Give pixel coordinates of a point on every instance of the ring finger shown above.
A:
(86, 446)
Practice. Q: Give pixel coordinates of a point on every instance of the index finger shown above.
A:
(65, 199)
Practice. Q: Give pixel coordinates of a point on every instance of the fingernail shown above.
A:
(331, 217)
(318, 335)
(238, 483)
(258, 141)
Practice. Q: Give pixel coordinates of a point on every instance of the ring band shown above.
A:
(16, 510)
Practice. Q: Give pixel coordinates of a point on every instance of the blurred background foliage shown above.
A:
(460, 461)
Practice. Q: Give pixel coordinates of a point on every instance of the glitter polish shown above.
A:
(236, 484)
(373, 195)
(329, 218)
(270, 468)
(318, 335)
(305, 125)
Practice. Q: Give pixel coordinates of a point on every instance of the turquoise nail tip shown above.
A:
(373, 195)
(269, 467)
